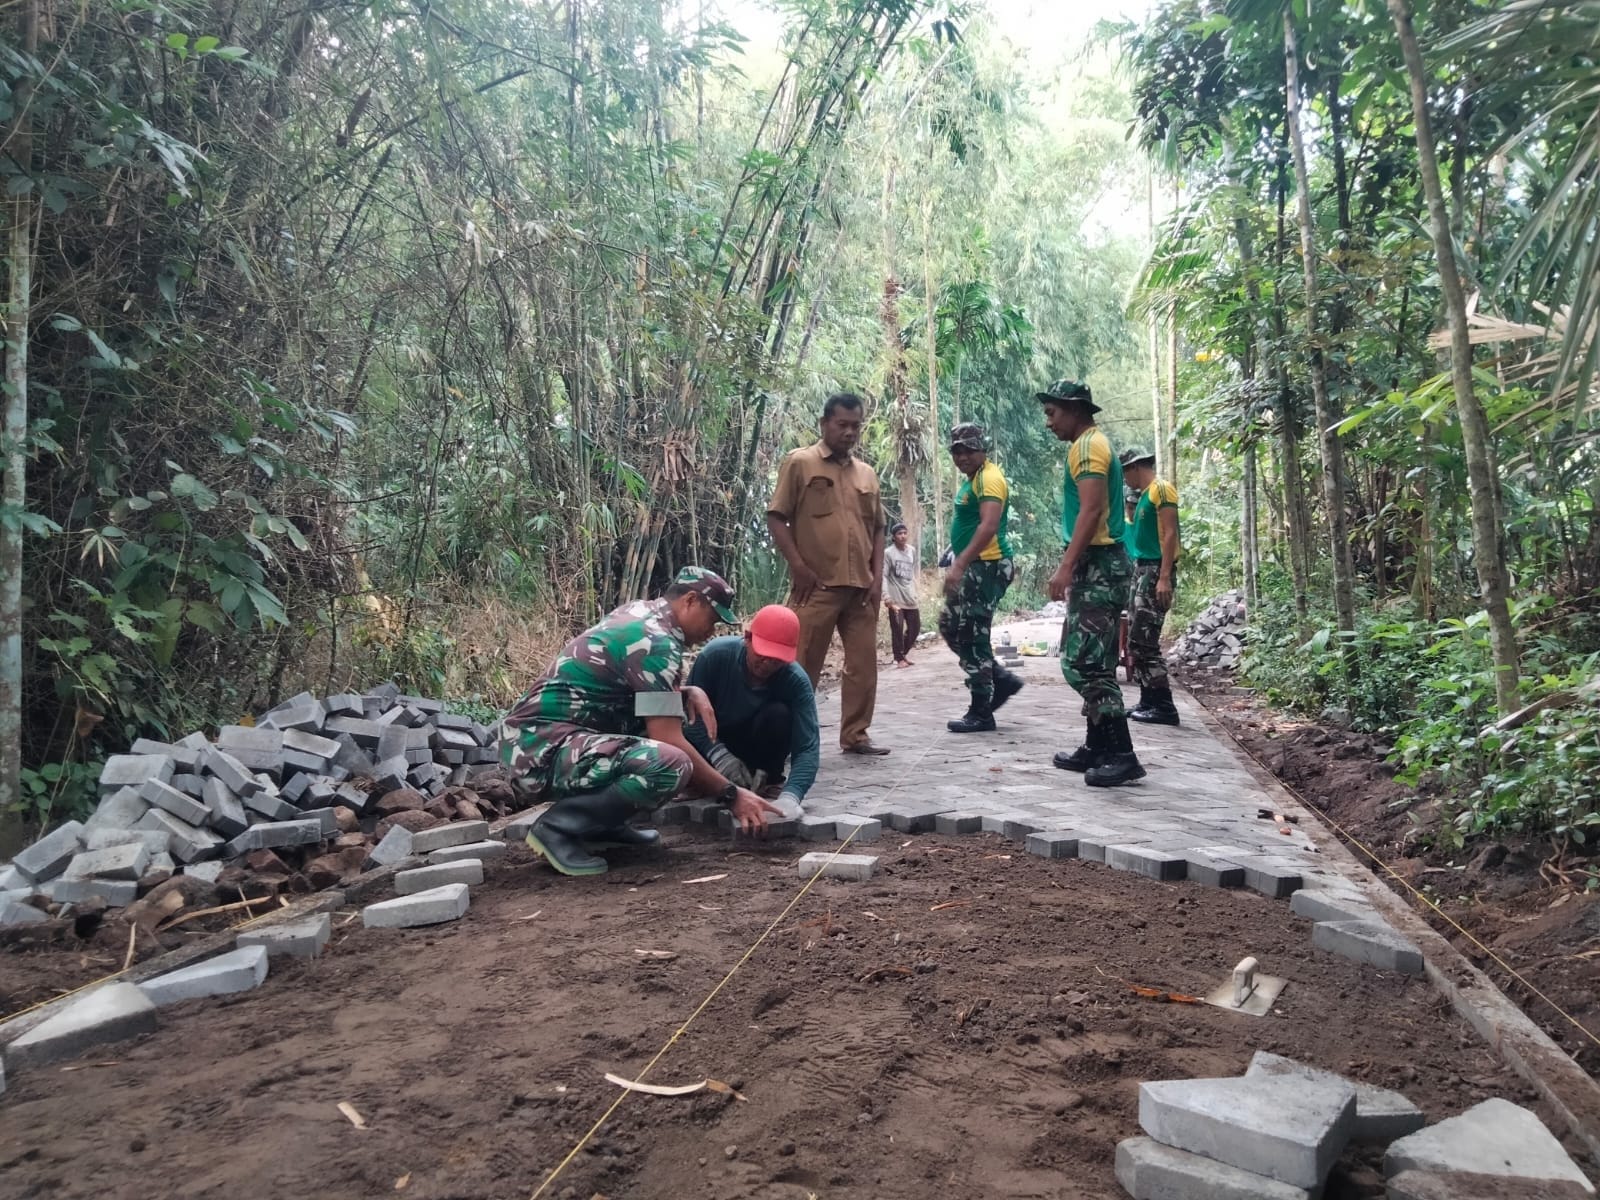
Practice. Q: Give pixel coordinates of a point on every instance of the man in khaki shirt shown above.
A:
(826, 518)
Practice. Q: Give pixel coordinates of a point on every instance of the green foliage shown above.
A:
(59, 791)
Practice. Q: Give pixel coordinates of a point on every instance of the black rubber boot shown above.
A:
(1085, 756)
(1119, 764)
(1006, 685)
(1155, 707)
(630, 835)
(979, 718)
(569, 822)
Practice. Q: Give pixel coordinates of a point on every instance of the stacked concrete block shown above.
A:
(1381, 1115)
(49, 856)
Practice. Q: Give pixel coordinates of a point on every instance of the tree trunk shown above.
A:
(14, 494)
(1486, 553)
(1297, 519)
(907, 430)
(931, 333)
(1172, 379)
(1156, 445)
(1344, 600)
(1247, 526)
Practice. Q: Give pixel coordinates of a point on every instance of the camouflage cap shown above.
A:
(710, 587)
(1136, 454)
(1063, 390)
(969, 436)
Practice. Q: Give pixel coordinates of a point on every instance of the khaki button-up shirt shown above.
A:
(833, 506)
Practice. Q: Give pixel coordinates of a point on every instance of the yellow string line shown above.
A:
(704, 1004)
(1406, 884)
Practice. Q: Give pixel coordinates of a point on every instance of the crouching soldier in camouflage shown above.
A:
(1153, 545)
(601, 732)
(1093, 579)
(978, 578)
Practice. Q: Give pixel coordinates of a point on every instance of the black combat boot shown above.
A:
(1119, 764)
(560, 833)
(1006, 685)
(1085, 756)
(630, 835)
(1155, 707)
(979, 718)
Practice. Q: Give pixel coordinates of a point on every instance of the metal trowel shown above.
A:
(1247, 992)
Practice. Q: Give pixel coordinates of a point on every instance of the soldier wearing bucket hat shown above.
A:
(979, 575)
(1154, 547)
(766, 735)
(601, 734)
(1093, 579)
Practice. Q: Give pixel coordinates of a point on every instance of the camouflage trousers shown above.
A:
(1089, 636)
(1145, 618)
(549, 761)
(964, 624)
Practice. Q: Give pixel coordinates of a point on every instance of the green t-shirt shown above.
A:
(986, 484)
(1145, 540)
(1090, 457)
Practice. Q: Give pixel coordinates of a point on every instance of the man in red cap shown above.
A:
(766, 711)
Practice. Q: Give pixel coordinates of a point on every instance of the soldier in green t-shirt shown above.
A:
(978, 577)
(601, 731)
(1153, 545)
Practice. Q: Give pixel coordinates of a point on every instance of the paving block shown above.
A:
(187, 757)
(452, 739)
(864, 829)
(516, 831)
(11, 879)
(488, 848)
(1291, 1130)
(1165, 865)
(432, 907)
(120, 810)
(302, 713)
(1212, 872)
(188, 843)
(114, 862)
(424, 704)
(363, 732)
(236, 971)
(271, 834)
(162, 862)
(49, 856)
(110, 1013)
(1323, 904)
(352, 758)
(421, 879)
(855, 868)
(394, 848)
(343, 704)
(815, 829)
(674, 812)
(446, 720)
(958, 823)
(1147, 1170)
(1368, 942)
(231, 771)
(271, 805)
(1017, 829)
(131, 770)
(1053, 844)
(912, 820)
(293, 939)
(328, 818)
(18, 912)
(455, 834)
(1381, 1115)
(189, 783)
(1270, 876)
(153, 840)
(390, 774)
(208, 871)
(225, 813)
(1495, 1137)
(116, 893)
(168, 798)
(1460, 1185)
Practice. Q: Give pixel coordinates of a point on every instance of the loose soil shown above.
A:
(961, 1026)
(1521, 898)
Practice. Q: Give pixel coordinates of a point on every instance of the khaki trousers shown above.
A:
(842, 608)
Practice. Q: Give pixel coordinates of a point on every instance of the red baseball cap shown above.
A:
(775, 633)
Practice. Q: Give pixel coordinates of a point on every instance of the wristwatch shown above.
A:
(728, 795)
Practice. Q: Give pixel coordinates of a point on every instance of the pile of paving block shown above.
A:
(363, 773)
(1216, 637)
(1276, 1132)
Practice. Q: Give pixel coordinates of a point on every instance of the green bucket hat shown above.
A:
(710, 587)
(1136, 454)
(1063, 390)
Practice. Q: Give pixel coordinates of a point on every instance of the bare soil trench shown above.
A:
(961, 1026)
(1517, 896)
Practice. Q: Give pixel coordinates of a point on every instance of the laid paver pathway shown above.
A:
(1199, 798)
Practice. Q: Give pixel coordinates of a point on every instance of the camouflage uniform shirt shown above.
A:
(595, 681)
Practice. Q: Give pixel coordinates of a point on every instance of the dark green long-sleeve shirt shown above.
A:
(719, 669)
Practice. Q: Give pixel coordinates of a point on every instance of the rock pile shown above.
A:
(307, 794)
(1216, 637)
(1276, 1132)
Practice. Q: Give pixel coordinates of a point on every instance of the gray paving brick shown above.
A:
(1018, 828)
(1147, 1170)
(117, 893)
(1271, 877)
(1381, 1115)
(905, 819)
(49, 856)
(1053, 843)
(853, 868)
(127, 861)
(488, 848)
(858, 829)
(955, 823)
(1213, 872)
(120, 809)
(1320, 904)
(132, 770)
(815, 828)
(432, 907)
(236, 971)
(168, 798)
(1147, 860)
(1495, 1138)
(455, 834)
(272, 834)
(422, 879)
(1368, 942)
(292, 939)
(112, 1012)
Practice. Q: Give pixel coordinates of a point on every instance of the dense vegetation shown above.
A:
(348, 341)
